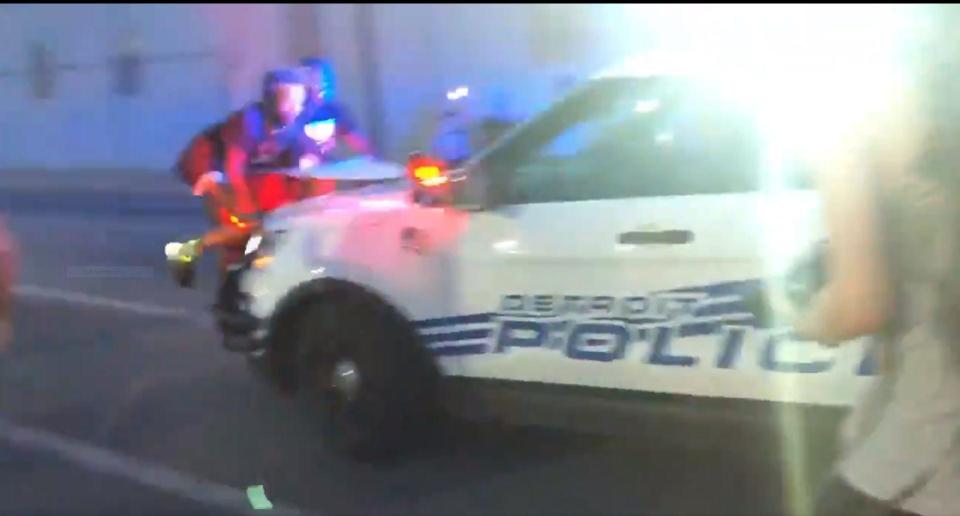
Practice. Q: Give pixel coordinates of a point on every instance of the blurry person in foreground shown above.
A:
(891, 197)
(8, 269)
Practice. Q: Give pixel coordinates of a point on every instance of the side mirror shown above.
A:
(434, 184)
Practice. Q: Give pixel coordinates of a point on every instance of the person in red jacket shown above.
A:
(229, 163)
(238, 182)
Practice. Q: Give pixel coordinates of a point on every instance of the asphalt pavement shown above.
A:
(118, 400)
(61, 487)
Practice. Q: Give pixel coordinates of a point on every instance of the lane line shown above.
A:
(150, 475)
(79, 298)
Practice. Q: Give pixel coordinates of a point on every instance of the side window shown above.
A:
(575, 165)
(637, 139)
(714, 148)
(569, 153)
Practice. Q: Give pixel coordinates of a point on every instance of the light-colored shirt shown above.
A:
(902, 439)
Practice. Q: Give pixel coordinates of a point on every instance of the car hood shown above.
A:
(350, 203)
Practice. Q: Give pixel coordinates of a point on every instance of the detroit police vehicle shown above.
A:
(598, 257)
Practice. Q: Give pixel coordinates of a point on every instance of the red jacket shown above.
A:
(9, 264)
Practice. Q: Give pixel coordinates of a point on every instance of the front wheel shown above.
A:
(365, 378)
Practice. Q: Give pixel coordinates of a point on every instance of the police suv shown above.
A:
(596, 259)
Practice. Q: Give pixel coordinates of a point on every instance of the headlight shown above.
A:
(253, 244)
(261, 247)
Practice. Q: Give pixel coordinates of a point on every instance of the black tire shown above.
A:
(273, 371)
(263, 369)
(395, 405)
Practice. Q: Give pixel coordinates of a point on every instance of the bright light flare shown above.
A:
(818, 76)
(664, 138)
(430, 175)
(309, 161)
(458, 93)
(647, 106)
(172, 250)
(434, 181)
(321, 130)
(506, 246)
(382, 204)
(817, 73)
(253, 244)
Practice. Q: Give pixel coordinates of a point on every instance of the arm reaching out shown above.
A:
(858, 298)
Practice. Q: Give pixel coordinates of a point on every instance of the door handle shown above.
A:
(412, 239)
(668, 237)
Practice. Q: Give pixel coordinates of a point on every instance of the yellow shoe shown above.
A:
(182, 258)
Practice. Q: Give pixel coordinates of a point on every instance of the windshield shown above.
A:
(641, 136)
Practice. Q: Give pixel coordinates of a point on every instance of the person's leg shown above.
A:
(228, 288)
(839, 498)
(226, 237)
(229, 240)
(227, 231)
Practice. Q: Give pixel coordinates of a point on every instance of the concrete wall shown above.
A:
(515, 59)
(203, 60)
(199, 62)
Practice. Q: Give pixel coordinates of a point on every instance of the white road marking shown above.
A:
(79, 298)
(150, 475)
(110, 272)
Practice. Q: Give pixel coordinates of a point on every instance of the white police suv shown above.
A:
(596, 258)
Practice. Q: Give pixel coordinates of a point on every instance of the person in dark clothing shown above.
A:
(238, 157)
(266, 135)
(323, 106)
(328, 124)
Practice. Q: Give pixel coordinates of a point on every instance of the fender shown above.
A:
(339, 279)
(281, 328)
(316, 290)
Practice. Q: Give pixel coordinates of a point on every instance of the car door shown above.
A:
(631, 231)
(546, 274)
(720, 186)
